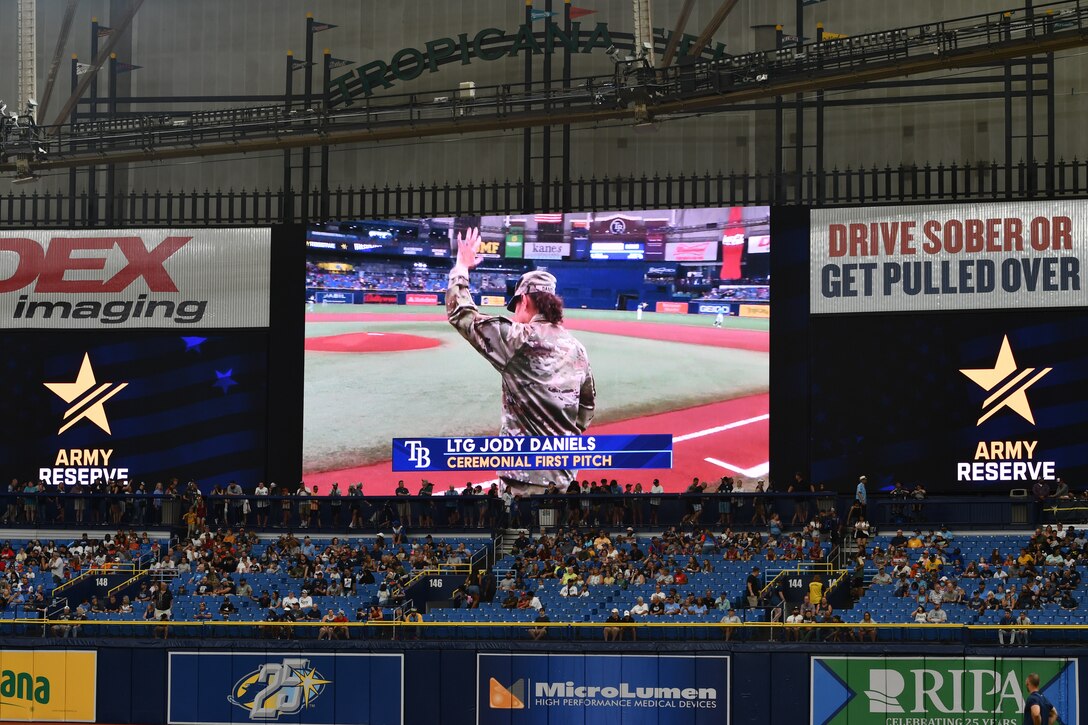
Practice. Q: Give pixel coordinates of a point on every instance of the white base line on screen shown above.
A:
(719, 429)
(753, 472)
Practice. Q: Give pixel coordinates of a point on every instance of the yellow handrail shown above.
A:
(530, 625)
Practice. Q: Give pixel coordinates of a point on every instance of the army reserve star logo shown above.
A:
(1006, 391)
(89, 397)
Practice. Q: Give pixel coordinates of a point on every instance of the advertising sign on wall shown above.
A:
(763, 311)
(135, 278)
(547, 250)
(884, 690)
(706, 251)
(47, 685)
(415, 298)
(678, 308)
(713, 308)
(492, 301)
(538, 689)
(951, 257)
(213, 688)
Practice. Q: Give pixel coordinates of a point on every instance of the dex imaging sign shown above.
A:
(177, 278)
(574, 688)
(936, 690)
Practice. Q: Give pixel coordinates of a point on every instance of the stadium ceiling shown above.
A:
(635, 92)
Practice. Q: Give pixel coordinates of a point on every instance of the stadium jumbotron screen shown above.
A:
(672, 308)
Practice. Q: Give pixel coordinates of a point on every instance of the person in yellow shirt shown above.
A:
(816, 588)
(1025, 558)
(915, 541)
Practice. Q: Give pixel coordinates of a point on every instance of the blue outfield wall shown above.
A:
(388, 683)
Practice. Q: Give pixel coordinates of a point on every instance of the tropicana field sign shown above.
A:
(490, 44)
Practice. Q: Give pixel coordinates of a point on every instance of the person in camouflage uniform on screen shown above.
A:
(547, 383)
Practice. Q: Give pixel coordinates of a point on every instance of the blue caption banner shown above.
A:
(585, 689)
(532, 453)
(221, 688)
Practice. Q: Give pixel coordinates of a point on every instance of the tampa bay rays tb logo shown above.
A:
(418, 454)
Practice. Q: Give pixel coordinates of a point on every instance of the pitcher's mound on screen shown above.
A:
(370, 342)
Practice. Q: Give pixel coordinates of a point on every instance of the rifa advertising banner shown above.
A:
(47, 685)
(937, 690)
(586, 689)
(134, 278)
(951, 257)
(213, 688)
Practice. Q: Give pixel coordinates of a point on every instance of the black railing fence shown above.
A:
(906, 184)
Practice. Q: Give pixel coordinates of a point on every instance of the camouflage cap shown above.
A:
(536, 281)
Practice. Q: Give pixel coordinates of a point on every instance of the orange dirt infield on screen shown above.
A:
(740, 426)
(370, 342)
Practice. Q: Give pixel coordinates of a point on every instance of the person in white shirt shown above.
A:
(882, 577)
(638, 310)
(640, 609)
(937, 615)
(719, 319)
(305, 602)
(536, 603)
(794, 618)
(1022, 634)
(920, 616)
(570, 590)
(731, 620)
(655, 501)
(262, 504)
(289, 601)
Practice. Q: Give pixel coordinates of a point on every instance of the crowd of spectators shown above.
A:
(30, 571)
(581, 563)
(399, 277)
(931, 570)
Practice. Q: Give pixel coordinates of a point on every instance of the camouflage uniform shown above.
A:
(547, 384)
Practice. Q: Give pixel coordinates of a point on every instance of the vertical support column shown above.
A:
(546, 150)
(28, 52)
(111, 106)
(566, 203)
(1008, 118)
(1050, 100)
(92, 173)
(799, 116)
(74, 74)
(527, 134)
(1029, 111)
(288, 197)
(326, 72)
(779, 172)
(821, 186)
(306, 91)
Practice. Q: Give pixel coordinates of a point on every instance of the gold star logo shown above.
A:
(311, 684)
(1008, 384)
(89, 396)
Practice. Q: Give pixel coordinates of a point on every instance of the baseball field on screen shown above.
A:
(378, 372)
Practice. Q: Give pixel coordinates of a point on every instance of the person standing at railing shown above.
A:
(261, 493)
(861, 495)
